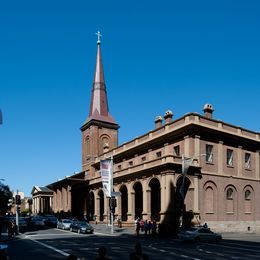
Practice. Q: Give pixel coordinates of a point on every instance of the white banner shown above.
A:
(106, 172)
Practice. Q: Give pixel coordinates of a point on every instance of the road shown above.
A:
(58, 244)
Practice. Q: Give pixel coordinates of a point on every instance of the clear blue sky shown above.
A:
(157, 55)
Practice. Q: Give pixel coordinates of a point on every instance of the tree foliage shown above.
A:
(5, 195)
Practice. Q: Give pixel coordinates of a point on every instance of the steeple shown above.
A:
(99, 104)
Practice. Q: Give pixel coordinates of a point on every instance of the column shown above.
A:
(167, 186)
(131, 203)
(239, 161)
(147, 199)
(97, 205)
(196, 195)
(220, 157)
(187, 146)
(257, 164)
(106, 209)
(69, 197)
(197, 146)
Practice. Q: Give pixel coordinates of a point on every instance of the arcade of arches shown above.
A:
(157, 197)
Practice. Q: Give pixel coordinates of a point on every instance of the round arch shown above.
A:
(138, 189)
(91, 205)
(124, 202)
(155, 187)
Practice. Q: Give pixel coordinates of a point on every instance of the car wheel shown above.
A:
(63, 227)
(78, 231)
(71, 229)
(57, 226)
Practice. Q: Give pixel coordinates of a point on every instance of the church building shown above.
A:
(193, 165)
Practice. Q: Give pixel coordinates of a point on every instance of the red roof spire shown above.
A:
(99, 105)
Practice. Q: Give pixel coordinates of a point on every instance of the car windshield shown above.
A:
(83, 223)
(66, 221)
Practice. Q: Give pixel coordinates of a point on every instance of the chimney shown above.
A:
(158, 121)
(208, 110)
(168, 116)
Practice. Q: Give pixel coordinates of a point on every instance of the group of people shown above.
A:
(148, 226)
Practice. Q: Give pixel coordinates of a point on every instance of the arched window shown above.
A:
(229, 194)
(104, 143)
(209, 200)
(247, 195)
(87, 142)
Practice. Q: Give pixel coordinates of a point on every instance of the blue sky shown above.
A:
(157, 55)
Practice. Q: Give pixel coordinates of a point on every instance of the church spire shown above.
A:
(99, 104)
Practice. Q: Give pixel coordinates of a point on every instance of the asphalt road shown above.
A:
(58, 244)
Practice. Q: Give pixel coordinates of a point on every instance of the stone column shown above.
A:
(187, 146)
(196, 195)
(106, 215)
(97, 205)
(220, 158)
(131, 203)
(167, 184)
(239, 161)
(197, 146)
(69, 197)
(257, 164)
(147, 200)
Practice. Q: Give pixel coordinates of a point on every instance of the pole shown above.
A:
(111, 190)
(17, 216)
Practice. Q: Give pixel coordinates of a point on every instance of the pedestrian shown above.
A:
(137, 228)
(102, 253)
(138, 254)
(145, 227)
(149, 227)
(154, 227)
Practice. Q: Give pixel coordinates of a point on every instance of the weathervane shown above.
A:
(98, 35)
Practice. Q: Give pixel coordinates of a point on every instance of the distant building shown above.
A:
(220, 186)
(42, 200)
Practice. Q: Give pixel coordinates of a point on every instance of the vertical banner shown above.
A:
(106, 171)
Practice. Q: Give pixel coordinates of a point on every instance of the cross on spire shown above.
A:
(98, 35)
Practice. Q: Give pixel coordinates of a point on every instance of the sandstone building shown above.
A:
(221, 186)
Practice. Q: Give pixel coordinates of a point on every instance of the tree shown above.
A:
(5, 195)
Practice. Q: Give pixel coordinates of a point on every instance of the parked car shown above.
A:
(64, 224)
(50, 221)
(199, 234)
(36, 221)
(81, 227)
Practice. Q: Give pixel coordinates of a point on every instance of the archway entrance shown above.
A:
(138, 200)
(124, 202)
(101, 205)
(155, 199)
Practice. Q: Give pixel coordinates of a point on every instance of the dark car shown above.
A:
(81, 227)
(50, 221)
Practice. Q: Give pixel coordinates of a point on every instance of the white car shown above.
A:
(199, 234)
(64, 224)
